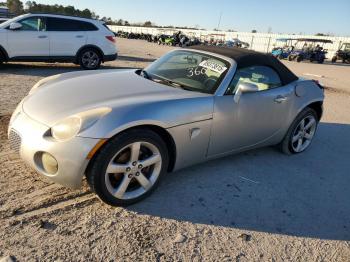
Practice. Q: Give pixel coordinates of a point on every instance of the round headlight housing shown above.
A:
(67, 128)
(71, 126)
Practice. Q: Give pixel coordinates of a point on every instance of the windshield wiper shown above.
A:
(170, 82)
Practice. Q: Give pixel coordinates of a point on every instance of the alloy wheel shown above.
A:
(90, 59)
(133, 170)
(303, 133)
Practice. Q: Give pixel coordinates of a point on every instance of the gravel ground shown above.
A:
(256, 206)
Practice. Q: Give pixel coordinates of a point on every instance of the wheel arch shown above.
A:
(162, 132)
(4, 52)
(318, 107)
(86, 47)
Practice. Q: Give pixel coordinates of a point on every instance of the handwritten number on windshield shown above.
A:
(196, 71)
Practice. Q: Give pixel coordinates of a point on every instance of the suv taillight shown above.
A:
(111, 38)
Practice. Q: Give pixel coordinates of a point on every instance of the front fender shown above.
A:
(164, 114)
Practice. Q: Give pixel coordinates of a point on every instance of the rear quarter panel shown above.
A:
(98, 38)
(306, 93)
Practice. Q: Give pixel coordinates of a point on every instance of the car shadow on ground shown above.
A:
(46, 69)
(135, 59)
(304, 195)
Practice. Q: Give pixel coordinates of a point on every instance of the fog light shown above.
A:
(49, 163)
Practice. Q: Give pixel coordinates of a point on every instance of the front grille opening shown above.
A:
(15, 141)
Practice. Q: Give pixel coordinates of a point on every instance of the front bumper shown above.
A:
(27, 138)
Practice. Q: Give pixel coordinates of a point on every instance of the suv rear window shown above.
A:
(63, 24)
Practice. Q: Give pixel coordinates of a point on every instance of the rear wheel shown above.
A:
(90, 59)
(129, 167)
(300, 133)
(299, 58)
(334, 59)
(2, 58)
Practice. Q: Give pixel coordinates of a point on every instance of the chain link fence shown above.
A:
(262, 42)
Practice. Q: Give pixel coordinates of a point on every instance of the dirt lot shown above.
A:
(256, 206)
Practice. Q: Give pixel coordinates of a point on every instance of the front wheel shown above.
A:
(90, 59)
(129, 167)
(300, 133)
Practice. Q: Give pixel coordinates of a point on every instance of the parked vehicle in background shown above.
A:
(125, 129)
(342, 54)
(284, 49)
(309, 49)
(57, 38)
(2, 20)
(235, 42)
(161, 39)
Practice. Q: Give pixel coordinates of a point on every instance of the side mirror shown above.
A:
(244, 88)
(15, 26)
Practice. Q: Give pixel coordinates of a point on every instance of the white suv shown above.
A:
(57, 38)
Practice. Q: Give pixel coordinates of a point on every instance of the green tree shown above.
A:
(148, 24)
(15, 6)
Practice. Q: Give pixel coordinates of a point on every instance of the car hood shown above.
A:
(72, 93)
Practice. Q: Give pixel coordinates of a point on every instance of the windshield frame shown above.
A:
(230, 63)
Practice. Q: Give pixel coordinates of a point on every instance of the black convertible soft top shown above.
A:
(247, 58)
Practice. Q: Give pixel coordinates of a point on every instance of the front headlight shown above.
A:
(42, 82)
(72, 125)
(67, 128)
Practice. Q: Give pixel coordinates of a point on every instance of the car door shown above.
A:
(256, 118)
(67, 36)
(31, 40)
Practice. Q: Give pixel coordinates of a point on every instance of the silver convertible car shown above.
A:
(125, 129)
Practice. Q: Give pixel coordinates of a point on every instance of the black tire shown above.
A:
(286, 144)
(299, 58)
(2, 58)
(90, 59)
(290, 58)
(97, 169)
(334, 59)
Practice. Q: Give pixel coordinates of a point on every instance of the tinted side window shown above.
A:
(262, 76)
(63, 24)
(90, 26)
(33, 24)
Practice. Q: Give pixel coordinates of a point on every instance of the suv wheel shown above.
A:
(90, 59)
(1, 58)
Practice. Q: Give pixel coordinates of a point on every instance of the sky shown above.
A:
(278, 16)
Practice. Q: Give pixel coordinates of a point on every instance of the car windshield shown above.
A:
(188, 70)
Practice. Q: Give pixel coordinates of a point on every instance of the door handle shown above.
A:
(42, 36)
(280, 99)
(79, 36)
